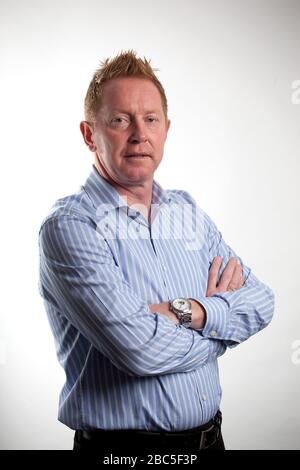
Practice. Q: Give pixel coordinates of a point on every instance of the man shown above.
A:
(141, 291)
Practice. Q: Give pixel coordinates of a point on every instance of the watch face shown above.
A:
(181, 304)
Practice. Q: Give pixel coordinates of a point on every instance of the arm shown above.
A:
(198, 313)
(236, 306)
(231, 279)
(81, 278)
(233, 316)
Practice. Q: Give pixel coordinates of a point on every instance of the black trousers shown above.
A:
(134, 442)
(136, 447)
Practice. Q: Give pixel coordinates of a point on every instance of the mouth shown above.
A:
(137, 155)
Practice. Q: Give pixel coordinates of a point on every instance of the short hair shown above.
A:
(125, 64)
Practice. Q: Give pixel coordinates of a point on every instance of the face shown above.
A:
(130, 131)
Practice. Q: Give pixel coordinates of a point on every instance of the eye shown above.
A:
(151, 119)
(119, 121)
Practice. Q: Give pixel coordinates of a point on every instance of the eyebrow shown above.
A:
(123, 111)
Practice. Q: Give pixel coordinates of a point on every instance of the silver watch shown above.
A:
(183, 310)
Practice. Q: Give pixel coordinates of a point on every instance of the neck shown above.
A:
(139, 194)
(139, 197)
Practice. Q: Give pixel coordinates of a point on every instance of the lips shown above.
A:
(137, 154)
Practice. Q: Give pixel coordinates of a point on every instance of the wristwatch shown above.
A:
(183, 310)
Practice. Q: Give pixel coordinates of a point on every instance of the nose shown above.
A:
(138, 132)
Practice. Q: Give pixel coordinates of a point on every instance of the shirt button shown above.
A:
(204, 397)
(165, 268)
(213, 333)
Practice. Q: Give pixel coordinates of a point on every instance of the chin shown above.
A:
(140, 178)
(139, 175)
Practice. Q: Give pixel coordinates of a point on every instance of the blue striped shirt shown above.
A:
(101, 265)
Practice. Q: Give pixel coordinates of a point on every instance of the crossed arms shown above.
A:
(231, 279)
(80, 278)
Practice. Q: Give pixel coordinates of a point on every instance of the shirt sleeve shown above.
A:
(81, 278)
(234, 316)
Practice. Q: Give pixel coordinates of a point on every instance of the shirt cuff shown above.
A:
(217, 317)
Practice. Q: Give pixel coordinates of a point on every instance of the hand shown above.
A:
(198, 313)
(231, 278)
(164, 309)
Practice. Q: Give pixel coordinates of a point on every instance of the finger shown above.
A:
(213, 274)
(227, 275)
(242, 282)
(236, 278)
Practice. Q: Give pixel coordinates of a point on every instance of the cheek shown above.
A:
(114, 144)
(100, 143)
(106, 148)
(161, 141)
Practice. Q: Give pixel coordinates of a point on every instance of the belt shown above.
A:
(201, 437)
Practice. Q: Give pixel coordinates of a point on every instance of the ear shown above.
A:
(168, 123)
(87, 133)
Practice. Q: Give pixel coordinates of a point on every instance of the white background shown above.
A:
(228, 69)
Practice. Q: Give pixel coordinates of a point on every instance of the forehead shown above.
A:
(131, 94)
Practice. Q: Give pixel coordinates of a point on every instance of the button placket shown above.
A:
(161, 266)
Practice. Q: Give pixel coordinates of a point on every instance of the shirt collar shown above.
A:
(101, 191)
